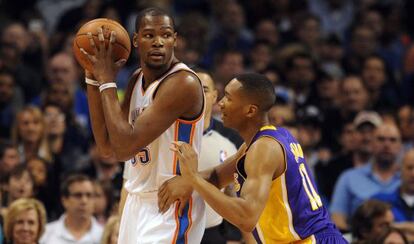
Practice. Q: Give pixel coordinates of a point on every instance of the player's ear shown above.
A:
(252, 110)
(135, 40)
(175, 39)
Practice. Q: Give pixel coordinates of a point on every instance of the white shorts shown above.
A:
(141, 221)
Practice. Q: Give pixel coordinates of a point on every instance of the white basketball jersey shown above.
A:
(156, 162)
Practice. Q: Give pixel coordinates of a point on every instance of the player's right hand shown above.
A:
(174, 189)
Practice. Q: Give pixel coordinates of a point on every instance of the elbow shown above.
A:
(105, 152)
(121, 156)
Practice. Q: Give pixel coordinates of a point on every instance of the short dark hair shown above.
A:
(362, 220)
(74, 178)
(18, 171)
(4, 145)
(152, 12)
(259, 88)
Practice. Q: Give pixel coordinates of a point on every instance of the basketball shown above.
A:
(120, 49)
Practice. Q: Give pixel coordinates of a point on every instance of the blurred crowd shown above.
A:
(343, 72)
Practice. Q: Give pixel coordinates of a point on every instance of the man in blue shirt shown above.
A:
(359, 184)
(402, 199)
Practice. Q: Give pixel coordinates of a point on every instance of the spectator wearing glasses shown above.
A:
(77, 224)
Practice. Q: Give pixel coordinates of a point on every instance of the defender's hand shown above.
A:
(187, 157)
(176, 188)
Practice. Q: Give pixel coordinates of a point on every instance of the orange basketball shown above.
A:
(121, 48)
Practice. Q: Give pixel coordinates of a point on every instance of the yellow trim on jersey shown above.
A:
(268, 127)
(275, 222)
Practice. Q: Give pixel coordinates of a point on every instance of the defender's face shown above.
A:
(232, 104)
(155, 41)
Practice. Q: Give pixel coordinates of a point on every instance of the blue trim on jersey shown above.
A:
(184, 134)
(256, 236)
(184, 224)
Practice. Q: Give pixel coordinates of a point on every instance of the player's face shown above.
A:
(155, 41)
(232, 105)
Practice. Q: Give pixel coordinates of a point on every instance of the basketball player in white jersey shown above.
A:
(164, 102)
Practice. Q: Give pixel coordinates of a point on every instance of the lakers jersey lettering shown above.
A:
(294, 210)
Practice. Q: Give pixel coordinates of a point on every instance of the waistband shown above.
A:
(144, 195)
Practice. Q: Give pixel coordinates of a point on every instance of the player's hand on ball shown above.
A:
(102, 60)
(174, 189)
(187, 157)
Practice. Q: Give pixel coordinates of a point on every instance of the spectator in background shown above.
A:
(13, 41)
(354, 98)
(359, 184)
(357, 147)
(66, 143)
(227, 64)
(370, 219)
(103, 169)
(405, 118)
(309, 121)
(300, 74)
(331, 54)
(29, 134)
(111, 231)
(104, 201)
(11, 101)
(231, 32)
(325, 93)
(336, 16)
(260, 56)
(363, 43)
(77, 224)
(9, 158)
(62, 68)
(390, 236)
(46, 184)
(308, 32)
(266, 31)
(402, 199)
(25, 221)
(20, 184)
(380, 84)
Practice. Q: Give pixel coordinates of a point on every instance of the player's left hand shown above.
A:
(187, 157)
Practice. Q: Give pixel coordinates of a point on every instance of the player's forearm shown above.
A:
(235, 210)
(99, 130)
(119, 130)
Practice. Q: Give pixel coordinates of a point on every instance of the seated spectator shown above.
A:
(11, 101)
(380, 84)
(357, 140)
(370, 219)
(9, 158)
(67, 144)
(46, 185)
(25, 221)
(28, 134)
(20, 184)
(110, 234)
(380, 175)
(104, 201)
(402, 199)
(77, 224)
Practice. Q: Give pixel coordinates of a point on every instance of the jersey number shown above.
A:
(143, 156)
(314, 198)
